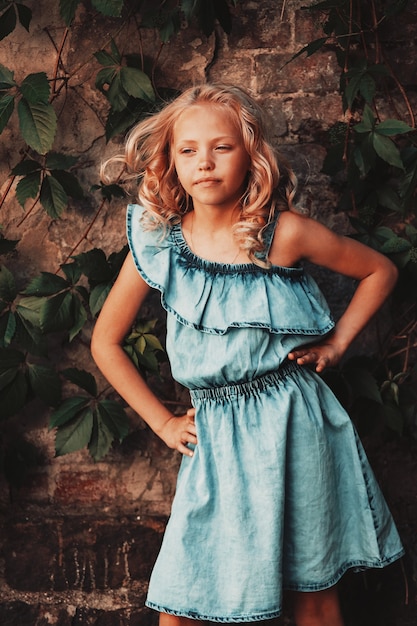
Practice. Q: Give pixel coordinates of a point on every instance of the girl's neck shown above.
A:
(209, 235)
(214, 219)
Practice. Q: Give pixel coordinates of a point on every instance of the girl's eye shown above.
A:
(186, 150)
(223, 148)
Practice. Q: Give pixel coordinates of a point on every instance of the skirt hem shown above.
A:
(358, 565)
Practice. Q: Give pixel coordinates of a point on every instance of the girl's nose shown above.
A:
(205, 163)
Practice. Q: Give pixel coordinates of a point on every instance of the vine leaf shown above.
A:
(53, 196)
(24, 14)
(8, 22)
(82, 379)
(13, 384)
(111, 8)
(67, 410)
(38, 125)
(46, 284)
(28, 187)
(136, 83)
(6, 110)
(387, 150)
(67, 9)
(35, 88)
(114, 417)
(46, 383)
(74, 434)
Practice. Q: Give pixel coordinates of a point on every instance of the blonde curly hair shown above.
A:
(148, 159)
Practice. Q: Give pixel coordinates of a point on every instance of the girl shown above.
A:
(274, 490)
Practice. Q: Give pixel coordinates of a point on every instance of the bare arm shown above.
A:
(375, 273)
(115, 320)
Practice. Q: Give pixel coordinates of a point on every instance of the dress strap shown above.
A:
(268, 236)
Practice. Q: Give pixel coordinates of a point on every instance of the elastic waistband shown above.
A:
(246, 388)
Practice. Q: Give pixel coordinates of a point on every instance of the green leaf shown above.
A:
(57, 161)
(6, 78)
(72, 272)
(29, 308)
(37, 124)
(111, 8)
(6, 110)
(310, 48)
(67, 9)
(112, 191)
(393, 417)
(387, 150)
(74, 435)
(105, 77)
(46, 284)
(367, 87)
(119, 121)
(10, 329)
(352, 88)
(82, 379)
(395, 245)
(101, 439)
(8, 22)
(45, 383)
(28, 166)
(25, 15)
(136, 83)
(153, 342)
(69, 183)
(115, 418)
(56, 313)
(67, 410)
(7, 245)
(28, 187)
(35, 88)
(116, 94)
(13, 396)
(388, 198)
(53, 197)
(79, 317)
(106, 59)
(7, 375)
(393, 127)
(94, 265)
(98, 297)
(7, 285)
(368, 121)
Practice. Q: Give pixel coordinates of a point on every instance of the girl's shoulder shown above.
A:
(289, 238)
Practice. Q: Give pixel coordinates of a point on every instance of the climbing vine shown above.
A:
(372, 160)
(54, 308)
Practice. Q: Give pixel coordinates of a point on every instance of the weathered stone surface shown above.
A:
(79, 537)
(80, 554)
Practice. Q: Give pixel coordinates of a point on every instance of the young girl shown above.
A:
(274, 491)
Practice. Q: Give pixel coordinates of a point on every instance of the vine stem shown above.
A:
(24, 218)
(86, 233)
(6, 193)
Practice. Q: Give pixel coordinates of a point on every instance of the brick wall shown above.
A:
(79, 538)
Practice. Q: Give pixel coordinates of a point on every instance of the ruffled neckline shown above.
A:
(214, 297)
(215, 267)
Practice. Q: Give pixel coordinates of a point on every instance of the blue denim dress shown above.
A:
(279, 493)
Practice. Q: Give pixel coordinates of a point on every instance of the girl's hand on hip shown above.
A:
(321, 355)
(177, 432)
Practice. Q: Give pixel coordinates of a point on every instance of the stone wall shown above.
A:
(79, 538)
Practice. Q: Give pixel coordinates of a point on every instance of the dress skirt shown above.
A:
(278, 495)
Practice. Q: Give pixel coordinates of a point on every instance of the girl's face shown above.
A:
(209, 156)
